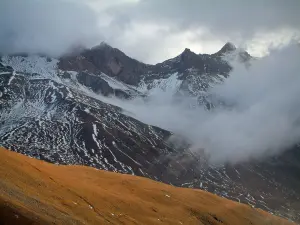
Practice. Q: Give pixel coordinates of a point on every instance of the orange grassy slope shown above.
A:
(36, 192)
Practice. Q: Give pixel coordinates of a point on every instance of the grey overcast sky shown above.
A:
(148, 30)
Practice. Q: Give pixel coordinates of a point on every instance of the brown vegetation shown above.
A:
(36, 192)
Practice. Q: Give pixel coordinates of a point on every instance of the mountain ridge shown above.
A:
(115, 63)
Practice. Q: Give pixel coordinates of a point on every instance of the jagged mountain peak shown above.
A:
(104, 58)
(105, 49)
(187, 52)
(188, 55)
(102, 45)
(227, 48)
(232, 52)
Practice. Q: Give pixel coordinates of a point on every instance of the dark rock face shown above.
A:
(5, 68)
(108, 60)
(100, 86)
(97, 84)
(50, 116)
(115, 63)
(76, 63)
(204, 64)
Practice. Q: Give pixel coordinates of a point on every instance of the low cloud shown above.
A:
(263, 118)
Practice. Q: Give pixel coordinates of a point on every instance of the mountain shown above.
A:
(114, 63)
(35, 192)
(106, 59)
(62, 111)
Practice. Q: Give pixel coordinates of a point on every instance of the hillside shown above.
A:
(36, 192)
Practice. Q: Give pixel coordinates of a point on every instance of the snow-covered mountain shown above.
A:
(61, 111)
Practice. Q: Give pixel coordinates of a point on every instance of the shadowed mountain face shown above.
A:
(57, 110)
(108, 60)
(115, 63)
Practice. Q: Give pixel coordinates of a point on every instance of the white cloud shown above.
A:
(262, 43)
(243, 23)
(263, 121)
(150, 31)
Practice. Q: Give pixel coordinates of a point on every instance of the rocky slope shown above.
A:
(57, 110)
(35, 192)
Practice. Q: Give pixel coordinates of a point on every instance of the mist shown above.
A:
(262, 118)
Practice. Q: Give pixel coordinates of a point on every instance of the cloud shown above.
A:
(149, 30)
(263, 119)
(209, 21)
(47, 26)
(221, 17)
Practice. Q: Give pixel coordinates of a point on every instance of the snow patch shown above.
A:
(115, 84)
(170, 84)
(44, 66)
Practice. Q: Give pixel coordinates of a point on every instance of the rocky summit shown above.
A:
(61, 111)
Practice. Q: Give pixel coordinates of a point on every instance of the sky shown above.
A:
(148, 30)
